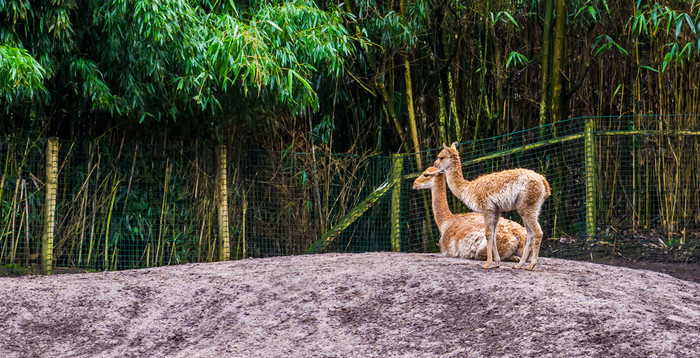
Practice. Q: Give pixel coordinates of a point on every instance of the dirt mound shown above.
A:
(352, 305)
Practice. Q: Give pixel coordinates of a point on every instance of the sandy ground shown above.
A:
(352, 305)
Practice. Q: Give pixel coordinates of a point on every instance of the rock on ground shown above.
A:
(352, 305)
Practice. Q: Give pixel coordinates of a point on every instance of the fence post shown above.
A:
(225, 253)
(396, 175)
(50, 205)
(589, 144)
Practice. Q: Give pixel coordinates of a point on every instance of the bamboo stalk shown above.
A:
(453, 109)
(131, 177)
(225, 253)
(396, 203)
(163, 211)
(2, 233)
(411, 113)
(15, 240)
(442, 114)
(85, 188)
(201, 232)
(26, 230)
(109, 221)
(91, 247)
(50, 205)
(589, 143)
(242, 237)
(11, 218)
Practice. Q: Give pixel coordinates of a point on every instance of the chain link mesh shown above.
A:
(124, 205)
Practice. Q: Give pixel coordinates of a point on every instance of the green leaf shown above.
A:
(302, 80)
(516, 58)
(592, 12)
(619, 87)
(667, 58)
(690, 23)
(510, 17)
(274, 25)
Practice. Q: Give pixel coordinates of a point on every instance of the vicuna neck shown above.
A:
(441, 211)
(455, 179)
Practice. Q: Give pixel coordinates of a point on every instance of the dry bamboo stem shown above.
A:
(26, 230)
(163, 210)
(113, 195)
(15, 240)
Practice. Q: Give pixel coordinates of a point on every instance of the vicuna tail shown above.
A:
(547, 189)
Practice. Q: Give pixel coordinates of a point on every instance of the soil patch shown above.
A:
(352, 305)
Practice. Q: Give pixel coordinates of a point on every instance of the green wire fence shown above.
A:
(620, 185)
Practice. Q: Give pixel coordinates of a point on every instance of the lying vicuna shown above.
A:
(462, 235)
(516, 189)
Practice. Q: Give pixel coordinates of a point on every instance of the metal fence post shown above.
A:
(589, 144)
(396, 176)
(50, 205)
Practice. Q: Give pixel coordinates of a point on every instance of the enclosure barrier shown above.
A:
(620, 186)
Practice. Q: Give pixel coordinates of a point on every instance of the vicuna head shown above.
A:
(447, 157)
(428, 179)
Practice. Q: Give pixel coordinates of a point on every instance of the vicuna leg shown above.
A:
(534, 238)
(490, 223)
(536, 241)
(494, 243)
(528, 244)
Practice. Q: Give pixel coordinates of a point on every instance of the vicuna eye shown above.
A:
(426, 175)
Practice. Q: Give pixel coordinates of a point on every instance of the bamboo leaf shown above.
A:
(592, 12)
(510, 17)
(302, 80)
(690, 23)
(667, 58)
(516, 58)
(274, 25)
(619, 87)
(649, 68)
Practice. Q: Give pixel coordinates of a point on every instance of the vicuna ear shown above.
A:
(445, 146)
(454, 145)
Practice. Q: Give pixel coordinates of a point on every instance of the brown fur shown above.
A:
(516, 189)
(462, 235)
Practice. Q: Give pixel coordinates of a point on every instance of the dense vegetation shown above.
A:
(348, 77)
(141, 93)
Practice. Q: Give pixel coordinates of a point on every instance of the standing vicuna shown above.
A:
(462, 235)
(516, 189)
